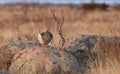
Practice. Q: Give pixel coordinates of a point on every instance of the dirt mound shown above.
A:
(90, 49)
(7, 51)
(43, 60)
(25, 57)
(84, 42)
(88, 42)
(81, 48)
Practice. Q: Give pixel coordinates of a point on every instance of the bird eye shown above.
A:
(42, 33)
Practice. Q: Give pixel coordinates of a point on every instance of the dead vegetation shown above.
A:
(94, 6)
(21, 22)
(60, 23)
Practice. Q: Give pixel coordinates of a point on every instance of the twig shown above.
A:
(60, 23)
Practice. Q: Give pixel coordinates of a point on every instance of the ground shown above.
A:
(23, 22)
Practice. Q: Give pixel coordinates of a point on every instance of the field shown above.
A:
(23, 22)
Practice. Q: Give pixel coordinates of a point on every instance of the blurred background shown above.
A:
(62, 1)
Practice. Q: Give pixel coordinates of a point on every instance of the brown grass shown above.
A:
(109, 57)
(109, 67)
(15, 24)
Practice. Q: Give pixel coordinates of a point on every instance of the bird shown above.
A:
(45, 37)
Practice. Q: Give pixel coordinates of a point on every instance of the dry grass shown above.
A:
(109, 57)
(110, 67)
(16, 24)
